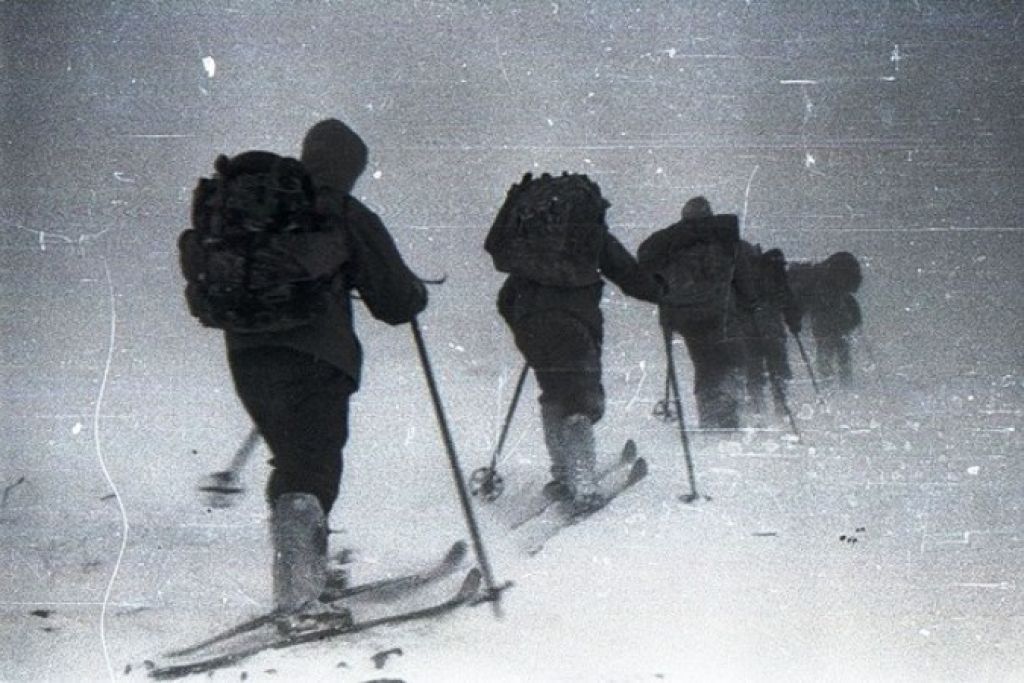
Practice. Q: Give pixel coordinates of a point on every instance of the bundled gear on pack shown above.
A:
(241, 275)
(550, 230)
(695, 260)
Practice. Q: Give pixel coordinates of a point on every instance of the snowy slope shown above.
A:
(882, 546)
(887, 129)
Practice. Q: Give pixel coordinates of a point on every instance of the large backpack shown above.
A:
(695, 261)
(550, 230)
(239, 272)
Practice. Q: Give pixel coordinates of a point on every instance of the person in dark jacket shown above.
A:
(767, 355)
(708, 280)
(560, 332)
(296, 384)
(826, 292)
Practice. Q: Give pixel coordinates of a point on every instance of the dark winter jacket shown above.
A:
(359, 253)
(658, 255)
(769, 269)
(520, 297)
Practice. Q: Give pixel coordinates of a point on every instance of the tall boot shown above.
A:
(558, 488)
(299, 531)
(581, 458)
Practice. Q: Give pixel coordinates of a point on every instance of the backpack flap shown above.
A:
(240, 272)
(550, 230)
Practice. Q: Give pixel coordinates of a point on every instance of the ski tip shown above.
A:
(471, 584)
(457, 551)
(638, 471)
(629, 451)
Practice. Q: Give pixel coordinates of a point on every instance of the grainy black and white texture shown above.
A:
(886, 545)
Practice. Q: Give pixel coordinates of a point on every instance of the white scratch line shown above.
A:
(43, 236)
(501, 63)
(157, 136)
(639, 385)
(1001, 585)
(798, 81)
(70, 603)
(497, 51)
(746, 194)
(106, 472)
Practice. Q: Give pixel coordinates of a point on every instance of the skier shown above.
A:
(826, 292)
(552, 239)
(767, 355)
(296, 382)
(707, 280)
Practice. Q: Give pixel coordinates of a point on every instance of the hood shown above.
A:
(334, 155)
(698, 207)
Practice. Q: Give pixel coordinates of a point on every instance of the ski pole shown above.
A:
(671, 373)
(486, 481)
(780, 394)
(662, 408)
(226, 483)
(493, 592)
(774, 378)
(807, 363)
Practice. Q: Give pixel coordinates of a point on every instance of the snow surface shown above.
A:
(886, 545)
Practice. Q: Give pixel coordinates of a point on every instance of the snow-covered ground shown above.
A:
(885, 545)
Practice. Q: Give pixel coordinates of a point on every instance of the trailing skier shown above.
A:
(826, 292)
(276, 247)
(707, 279)
(551, 237)
(767, 357)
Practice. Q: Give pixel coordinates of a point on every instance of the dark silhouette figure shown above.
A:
(707, 281)
(767, 354)
(826, 293)
(296, 383)
(552, 306)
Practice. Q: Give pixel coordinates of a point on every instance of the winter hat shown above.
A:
(334, 154)
(698, 207)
